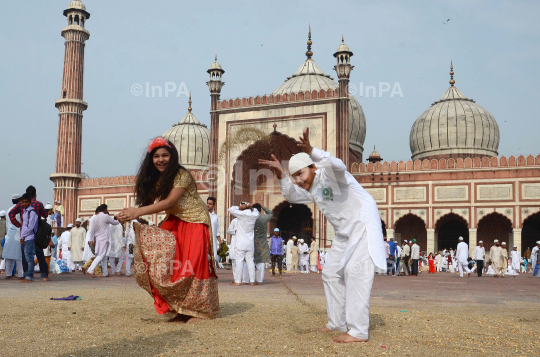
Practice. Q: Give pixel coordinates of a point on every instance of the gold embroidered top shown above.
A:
(190, 207)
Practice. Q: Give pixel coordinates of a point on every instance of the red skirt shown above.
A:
(432, 267)
(178, 267)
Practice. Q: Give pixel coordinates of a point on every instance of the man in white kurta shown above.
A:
(314, 255)
(288, 256)
(116, 253)
(304, 257)
(479, 257)
(232, 248)
(130, 246)
(99, 237)
(534, 256)
(12, 253)
(63, 243)
(357, 247)
(87, 252)
(504, 259)
(245, 235)
(77, 236)
(515, 255)
(462, 254)
(214, 220)
(495, 256)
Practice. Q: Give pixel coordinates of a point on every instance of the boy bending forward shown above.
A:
(358, 246)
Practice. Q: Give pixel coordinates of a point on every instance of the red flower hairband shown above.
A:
(158, 142)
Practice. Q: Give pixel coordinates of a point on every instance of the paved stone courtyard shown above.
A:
(410, 316)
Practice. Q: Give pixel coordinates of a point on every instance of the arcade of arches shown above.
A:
(411, 227)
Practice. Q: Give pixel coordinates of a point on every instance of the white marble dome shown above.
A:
(454, 126)
(192, 140)
(77, 4)
(310, 77)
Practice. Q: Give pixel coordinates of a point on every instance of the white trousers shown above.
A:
(259, 272)
(116, 268)
(99, 259)
(313, 268)
(347, 295)
(10, 263)
(245, 274)
(248, 257)
(2, 264)
(462, 267)
(129, 261)
(66, 257)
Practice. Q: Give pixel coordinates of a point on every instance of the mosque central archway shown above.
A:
(294, 220)
(411, 227)
(448, 230)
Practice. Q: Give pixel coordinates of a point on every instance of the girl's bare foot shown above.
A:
(346, 338)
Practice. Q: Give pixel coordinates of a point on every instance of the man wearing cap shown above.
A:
(415, 257)
(63, 243)
(12, 253)
(405, 255)
(77, 235)
(304, 256)
(276, 244)
(495, 256)
(393, 256)
(462, 256)
(288, 259)
(357, 247)
(261, 254)
(245, 235)
(504, 258)
(516, 260)
(314, 255)
(479, 256)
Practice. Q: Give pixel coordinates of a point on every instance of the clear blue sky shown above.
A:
(494, 45)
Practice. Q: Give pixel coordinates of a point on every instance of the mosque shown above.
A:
(454, 185)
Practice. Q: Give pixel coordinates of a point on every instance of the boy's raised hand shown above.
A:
(304, 144)
(274, 165)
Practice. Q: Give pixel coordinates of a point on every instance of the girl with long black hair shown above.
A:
(174, 263)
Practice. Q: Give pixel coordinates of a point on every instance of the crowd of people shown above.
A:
(408, 259)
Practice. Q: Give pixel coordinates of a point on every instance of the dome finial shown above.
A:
(189, 108)
(309, 43)
(342, 39)
(452, 82)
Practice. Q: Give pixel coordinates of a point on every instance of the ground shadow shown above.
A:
(140, 346)
(234, 308)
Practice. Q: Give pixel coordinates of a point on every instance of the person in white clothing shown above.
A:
(304, 256)
(63, 243)
(211, 206)
(288, 256)
(232, 249)
(357, 247)
(479, 257)
(116, 253)
(75, 245)
(515, 255)
(130, 245)
(12, 253)
(534, 255)
(99, 238)
(245, 234)
(87, 252)
(462, 254)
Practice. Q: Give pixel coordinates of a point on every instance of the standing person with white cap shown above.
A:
(101, 240)
(245, 235)
(504, 259)
(495, 255)
(405, 255)
(357, 247)
(479, 256)
(77, 235)
(63, 244)
(276, 244)
(462, 254)
(516, 260)
(12, 253)
(288, 254)
(314, 255)
(116, 253)
(304, 256)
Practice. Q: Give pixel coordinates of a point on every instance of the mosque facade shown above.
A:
(454, 185)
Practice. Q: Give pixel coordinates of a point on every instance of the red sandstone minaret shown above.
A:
(343, 69)
(71, 106)
(214, 84)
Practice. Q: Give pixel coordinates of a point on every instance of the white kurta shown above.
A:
(462, 253)
(76, 240)
(12, 246)
(495, 255)
(63, 243)
(130, 239)
(516, 260)
(117, 241)
(99, 232)
(314, 253)
(304, 258)
(245, 245)
(232, 232)
(288, 259)
(214, 219)
(87, 253)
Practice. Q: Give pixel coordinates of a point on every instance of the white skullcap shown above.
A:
(299, 161)
(293, 237)
(301, 240)
(2, 213)
(481, 241)
(496, 241)
(16, 196)
(503, 243)
(70, 225)
(538, 242)
(460, 238)
(515, 246)
(48, 206)
(78, 220)
(405, 241)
